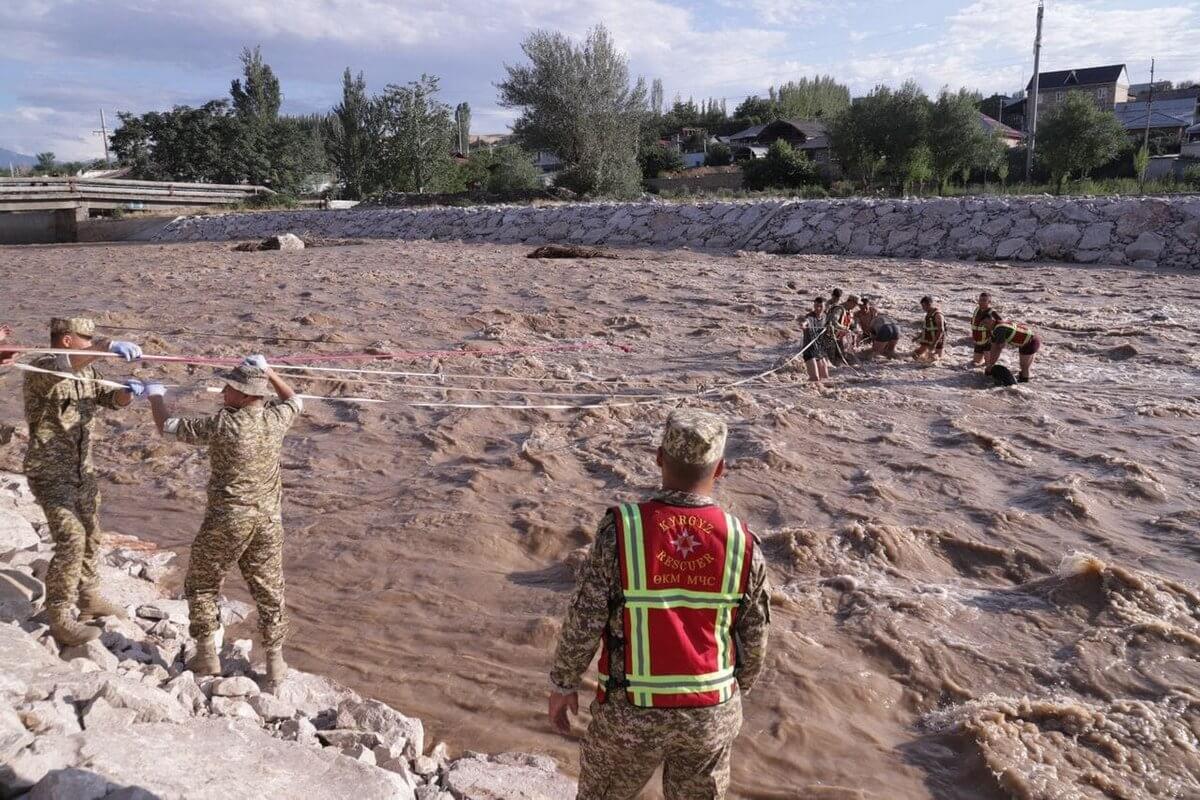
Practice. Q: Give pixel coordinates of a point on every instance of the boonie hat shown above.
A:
(247, 380)
(695, 438)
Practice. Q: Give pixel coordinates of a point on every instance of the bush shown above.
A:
(1191, 177)
(782, 168)
(507, 170)
(657, 159)
(719, 155)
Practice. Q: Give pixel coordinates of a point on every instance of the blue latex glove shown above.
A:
(126, 350)
(256, 360)
(136, 387)
(155, 390)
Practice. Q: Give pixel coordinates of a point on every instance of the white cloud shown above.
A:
(186, 52)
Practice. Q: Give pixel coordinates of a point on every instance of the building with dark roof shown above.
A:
(809, 135)
(1107, 86)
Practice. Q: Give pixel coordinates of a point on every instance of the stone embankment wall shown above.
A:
(1163, 232)
(122, 718)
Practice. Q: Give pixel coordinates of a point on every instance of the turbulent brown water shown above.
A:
(980, 593)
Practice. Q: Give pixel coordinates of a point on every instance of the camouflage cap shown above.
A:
(247, 380)
(79, 326)
(695, 438)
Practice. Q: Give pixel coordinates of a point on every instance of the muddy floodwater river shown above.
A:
(978, 592)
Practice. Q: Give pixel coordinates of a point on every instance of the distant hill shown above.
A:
(16, 159)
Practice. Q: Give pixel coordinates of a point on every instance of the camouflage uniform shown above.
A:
(624, 743)
(244, 519)
(61, 414)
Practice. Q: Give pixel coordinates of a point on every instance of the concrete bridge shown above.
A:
(43, 210)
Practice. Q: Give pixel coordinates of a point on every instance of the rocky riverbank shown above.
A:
(1146, 232)
(121, 717)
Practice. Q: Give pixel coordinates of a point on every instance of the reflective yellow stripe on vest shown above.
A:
(635, 566)
(1014, 329)
(643, 682)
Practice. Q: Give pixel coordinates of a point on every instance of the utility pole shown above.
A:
(103, 136)
(1149, 108)
(1032, 101)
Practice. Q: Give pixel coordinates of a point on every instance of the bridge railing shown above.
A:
(35, 190)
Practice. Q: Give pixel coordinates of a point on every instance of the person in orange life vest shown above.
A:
(676, 590)
(1017, 334)
(932, 338)
(980, 329)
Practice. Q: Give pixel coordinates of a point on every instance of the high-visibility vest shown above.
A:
(979, 331)
(1013, 333)
(935, 327)
(684, 571)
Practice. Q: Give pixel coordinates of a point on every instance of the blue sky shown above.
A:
(63, 60)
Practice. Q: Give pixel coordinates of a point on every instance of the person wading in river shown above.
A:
(931, 341)
(981, 329)
(677, 590)
(243, 523)
(814, 344)
(1023, 337)
(880, 330)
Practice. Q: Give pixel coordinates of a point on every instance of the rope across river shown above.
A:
(342, 375)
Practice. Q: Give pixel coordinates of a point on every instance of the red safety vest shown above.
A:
(979, 331)
(1013, 333)
(683, 574)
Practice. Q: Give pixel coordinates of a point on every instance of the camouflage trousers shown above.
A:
(625, 744)
(255, 542)
(73, 513)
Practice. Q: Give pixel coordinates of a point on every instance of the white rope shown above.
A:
(468, 389)
(68, 375)
(649, 400)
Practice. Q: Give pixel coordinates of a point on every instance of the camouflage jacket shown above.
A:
(243, 449)
(598, 605)
(61, 414)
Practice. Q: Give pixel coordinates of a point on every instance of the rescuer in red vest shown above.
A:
(1023, 337)
(982, 320)
(676, 590)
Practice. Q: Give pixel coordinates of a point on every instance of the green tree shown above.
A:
(352, 134)
(656, 97)
(856, 142)
(416, 136)
(956, 138)
(918, 168)
(811, 98)
(719, 155)
(879, 133)
(462, 127)
(183, 144)
(576, 101)
(46, 163)
(659, 159)
(257, 100)
(755, 111)
(1076, 137)
(782, 168)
